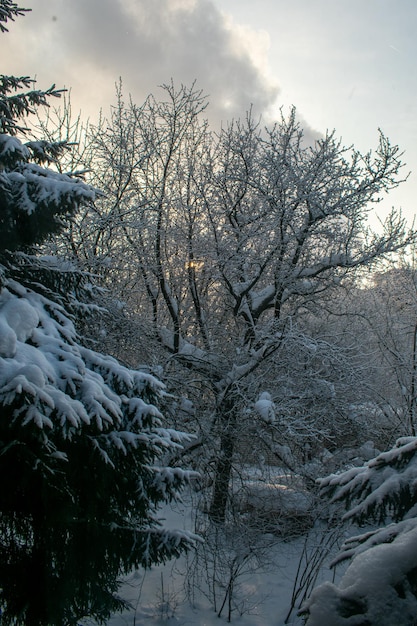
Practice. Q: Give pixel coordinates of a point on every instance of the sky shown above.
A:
(347, 65)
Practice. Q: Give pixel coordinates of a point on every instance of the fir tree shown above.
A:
(8, 11)
(380, 585)
(82, 441)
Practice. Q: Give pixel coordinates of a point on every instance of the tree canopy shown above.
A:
(221, 245)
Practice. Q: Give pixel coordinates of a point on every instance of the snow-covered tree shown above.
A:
(389, 321)
(83, 450)
(220, 243)
(379, 587)
(376, 320)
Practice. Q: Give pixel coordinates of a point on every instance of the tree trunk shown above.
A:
(224, 466)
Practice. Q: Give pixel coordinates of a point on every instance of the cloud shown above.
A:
(88, 44)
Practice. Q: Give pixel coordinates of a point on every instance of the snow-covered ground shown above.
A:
(261, 596)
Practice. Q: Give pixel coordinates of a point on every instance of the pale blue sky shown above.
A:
(347, 65)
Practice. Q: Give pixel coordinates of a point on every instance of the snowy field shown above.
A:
(261, 595)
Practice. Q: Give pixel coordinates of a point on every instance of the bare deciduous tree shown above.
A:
(220, 242)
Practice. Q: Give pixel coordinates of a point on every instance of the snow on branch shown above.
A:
(376, 589)
(386, 485)
(380, 582)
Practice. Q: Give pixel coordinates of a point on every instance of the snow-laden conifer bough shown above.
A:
(379, 587)
(83, 448)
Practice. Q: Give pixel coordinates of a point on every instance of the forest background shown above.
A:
(238, 267)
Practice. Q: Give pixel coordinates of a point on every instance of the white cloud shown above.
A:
(88, 44)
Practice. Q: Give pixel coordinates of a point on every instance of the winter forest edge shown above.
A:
(184, 311)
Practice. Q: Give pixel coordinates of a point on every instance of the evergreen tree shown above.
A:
(8, 11)
(82, 444)
(379, 587)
